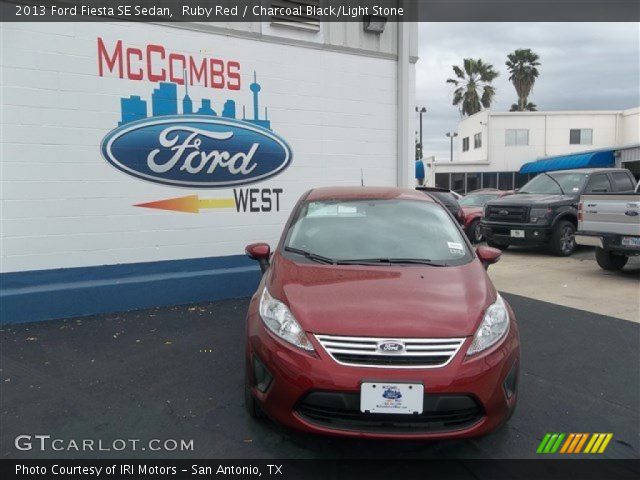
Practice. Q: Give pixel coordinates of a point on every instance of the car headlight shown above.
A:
(494, 326)
(539, 215)
(277, 317)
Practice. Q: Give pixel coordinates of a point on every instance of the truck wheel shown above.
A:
(608, 261)
(563, 241)
(500, 246)
(474, 232)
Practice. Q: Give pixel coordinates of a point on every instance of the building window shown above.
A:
(465, 144)
(490, 180)
(520, 179)
(581, 136)
(473, 181)
(505, 180)
(457, 182)
(477, 140)
(442, 180)
(285, 14)
(516, 137)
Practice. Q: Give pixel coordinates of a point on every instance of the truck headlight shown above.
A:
(494, 327)
(277, 317)
(539, 215)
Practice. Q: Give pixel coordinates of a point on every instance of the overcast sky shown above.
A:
(584, 66)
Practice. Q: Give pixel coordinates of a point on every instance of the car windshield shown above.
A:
(570, 183)
(376, 231)
(477, 199)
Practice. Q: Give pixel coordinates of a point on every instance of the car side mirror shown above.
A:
(487, 255)
(260, 252)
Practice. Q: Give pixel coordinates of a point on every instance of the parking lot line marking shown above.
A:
(605, 443)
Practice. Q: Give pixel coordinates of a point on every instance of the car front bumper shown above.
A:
(501, 233)
(297, 377)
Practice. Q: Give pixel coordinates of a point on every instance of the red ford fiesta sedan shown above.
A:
(375, 318)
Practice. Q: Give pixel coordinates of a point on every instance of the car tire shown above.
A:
(608, 261)
(500, 246)
(474, 232)
(563, 242)
(251, 404)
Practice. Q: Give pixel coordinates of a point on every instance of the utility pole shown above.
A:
(421, 111)
(451, 136)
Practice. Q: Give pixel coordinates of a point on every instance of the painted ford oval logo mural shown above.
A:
(196, 151)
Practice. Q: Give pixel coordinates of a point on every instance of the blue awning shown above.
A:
(568, 162)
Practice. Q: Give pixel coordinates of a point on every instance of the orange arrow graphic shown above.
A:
(189, 204)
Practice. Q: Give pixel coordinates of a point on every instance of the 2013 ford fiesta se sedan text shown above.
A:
(375, 318)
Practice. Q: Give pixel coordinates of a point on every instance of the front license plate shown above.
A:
(517, 233)
(383, 397)
(631, 241)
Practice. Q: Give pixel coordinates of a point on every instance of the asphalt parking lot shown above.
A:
(177, 373)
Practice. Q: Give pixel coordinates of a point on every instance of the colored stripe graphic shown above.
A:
(189, 204)
(598, 442)
(573, 443)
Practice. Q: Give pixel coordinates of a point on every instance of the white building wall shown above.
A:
(630, 130)
(548, 136)
(63, 205)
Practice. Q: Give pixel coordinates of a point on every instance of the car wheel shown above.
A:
(500, 246)
(563, 241)
(474, 232)
(608, 261)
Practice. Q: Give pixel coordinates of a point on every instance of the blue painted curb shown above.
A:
(64, 293)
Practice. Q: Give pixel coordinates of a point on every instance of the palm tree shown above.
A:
(473, 85)
(523, 73)
(529, 107)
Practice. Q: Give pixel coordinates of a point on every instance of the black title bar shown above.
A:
(406, 469)
(323, 10)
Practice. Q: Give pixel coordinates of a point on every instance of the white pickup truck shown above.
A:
(611, 223)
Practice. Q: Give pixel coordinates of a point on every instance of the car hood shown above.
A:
(472, 210)
(383, 301)
(531, 198)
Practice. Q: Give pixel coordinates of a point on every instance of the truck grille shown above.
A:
(507, 213)
(369, 351)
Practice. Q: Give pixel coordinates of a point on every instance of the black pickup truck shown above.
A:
(545, 210)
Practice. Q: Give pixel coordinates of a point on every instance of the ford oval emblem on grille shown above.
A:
(390, 346)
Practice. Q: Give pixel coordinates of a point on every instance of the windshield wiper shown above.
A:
(367, 261)
(557, 183)
(310, 255)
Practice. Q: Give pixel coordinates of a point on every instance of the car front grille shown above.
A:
(507, 213)
(366, 351)
(341, 411)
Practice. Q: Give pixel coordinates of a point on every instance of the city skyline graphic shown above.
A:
(164, 101)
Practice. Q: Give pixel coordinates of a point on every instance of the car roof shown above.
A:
(589, 170)
(363, 193)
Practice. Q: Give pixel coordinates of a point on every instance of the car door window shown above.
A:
(623, 182)
(598, 183)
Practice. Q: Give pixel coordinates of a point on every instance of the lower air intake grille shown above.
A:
(341, 411)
